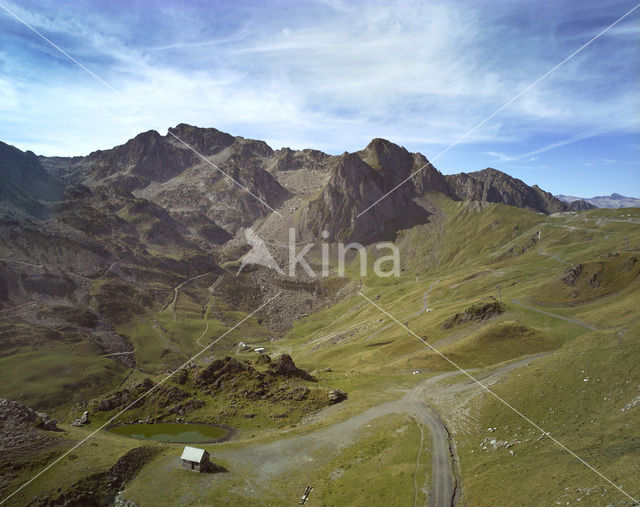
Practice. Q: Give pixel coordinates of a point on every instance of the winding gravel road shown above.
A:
(259, 465)
(266, 462)
(443, 480)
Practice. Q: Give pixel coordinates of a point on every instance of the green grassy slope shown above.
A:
(467, 255)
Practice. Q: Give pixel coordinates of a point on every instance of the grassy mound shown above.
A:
(264, 392)
(590, 280)
(492, 344)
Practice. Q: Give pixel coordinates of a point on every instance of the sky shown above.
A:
(332, 75)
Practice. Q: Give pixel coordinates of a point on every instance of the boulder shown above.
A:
(336, 396)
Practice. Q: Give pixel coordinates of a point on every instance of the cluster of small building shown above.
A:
(244, 347)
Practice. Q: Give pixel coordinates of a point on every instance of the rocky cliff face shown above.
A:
(148, 157)
(495, 186)
(354, 185)
(201, 189)
(118, 233)
(157, 190)
(24, 435)
(24, 182)
(358, 181)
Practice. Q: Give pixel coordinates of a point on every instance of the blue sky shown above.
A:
(334, 74)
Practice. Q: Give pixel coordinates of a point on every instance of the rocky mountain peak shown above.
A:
(355, 185)
(394, 161)
(206, 141)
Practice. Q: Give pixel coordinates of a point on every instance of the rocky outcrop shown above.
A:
(228, 381)
(285, 366)
(336, 396)
(24, 183)
(476, 312)
(24, 436)
(207, 141)
(222, 370)
(163, 396)
(82, 420)
(429, 179)
(572, 274)
(148, 157)
(101, 488)
(228, 194)
(15, 413)
(580, 204)
(287, 159)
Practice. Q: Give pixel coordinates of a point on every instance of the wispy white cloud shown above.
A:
(329, 74)
(531, 155)
(625, 30)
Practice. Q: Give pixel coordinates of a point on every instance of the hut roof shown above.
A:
(193, 454)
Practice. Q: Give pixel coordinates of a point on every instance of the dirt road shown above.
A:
(202, 335)
(542, 252)
(443, 479)
(266, 462)
(172, 305)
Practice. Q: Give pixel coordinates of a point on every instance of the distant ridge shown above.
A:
(604, 201)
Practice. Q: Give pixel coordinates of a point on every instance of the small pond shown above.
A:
(173, 432)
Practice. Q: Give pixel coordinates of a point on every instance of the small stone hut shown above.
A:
(195, 459)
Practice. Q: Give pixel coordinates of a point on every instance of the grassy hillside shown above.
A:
(563, 350)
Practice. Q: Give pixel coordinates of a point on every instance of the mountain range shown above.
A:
(168, 206)
(184, 188)
(604, 201)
